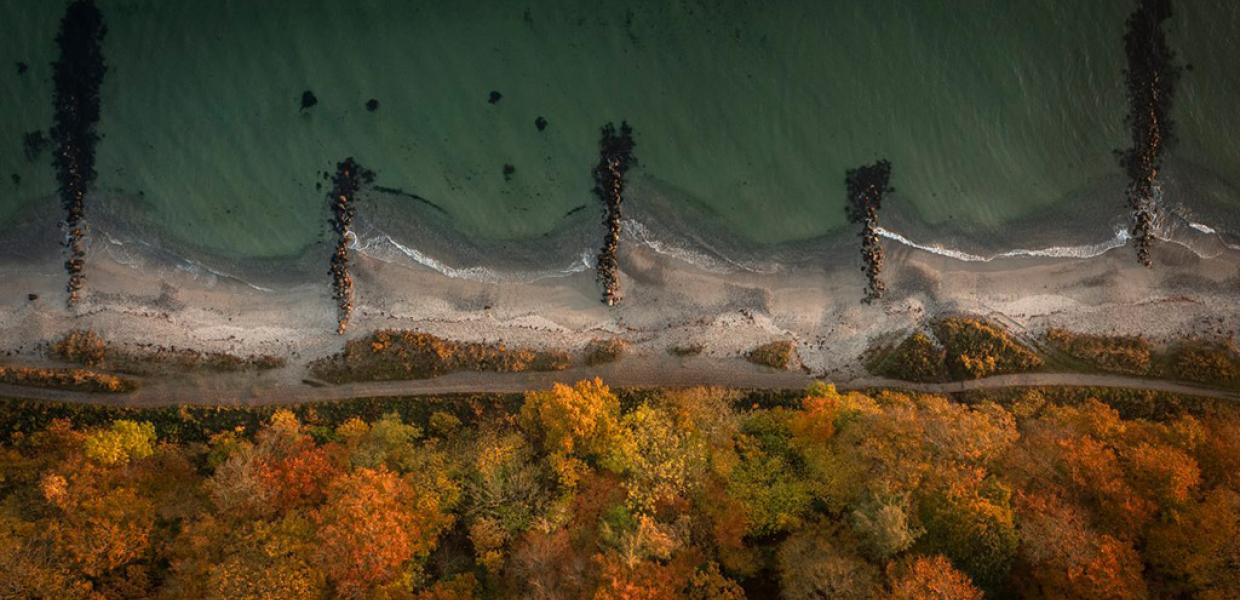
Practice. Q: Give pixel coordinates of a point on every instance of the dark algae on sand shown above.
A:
(615, 157)
(1151, 79)
(866, 187)
(77, 75)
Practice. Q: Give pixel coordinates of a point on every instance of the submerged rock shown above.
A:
(508, 172)
(33, 143)
(495, 97)
(22, 68)
(372, 105)
(308, 99)
(540, 123)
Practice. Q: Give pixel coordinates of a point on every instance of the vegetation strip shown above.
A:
(77, 75)
(349, 179)
(392, 355)
(78, 380)
(1151, 79)
(88, 348)
(615, 157)
(866, 187)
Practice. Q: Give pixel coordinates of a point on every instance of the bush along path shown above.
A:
(77, 75)
(615, 157)
(866, 187)
(1151, 78)
(349, 179)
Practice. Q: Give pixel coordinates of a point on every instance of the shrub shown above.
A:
(92, 350)
(1216, 363)
(81, 346)
(777, 354)
(1119, 354)
(917, 358)
(600, 352)
(391, 354)
(977, 349)
(684, 350)
(82, 380)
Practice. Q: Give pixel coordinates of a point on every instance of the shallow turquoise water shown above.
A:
(991, 112)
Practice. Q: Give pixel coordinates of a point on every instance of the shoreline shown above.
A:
(668, 302)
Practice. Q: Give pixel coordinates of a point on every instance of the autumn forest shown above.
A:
(683, 494)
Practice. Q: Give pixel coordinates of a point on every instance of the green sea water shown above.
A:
(991, 112)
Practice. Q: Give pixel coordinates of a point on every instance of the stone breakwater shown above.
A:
(866, 187)
(77, 75)
(1151, 78)
(615, 157)
(349, 179)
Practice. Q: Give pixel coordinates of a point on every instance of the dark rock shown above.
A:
(308, 99)
(495, 97)
(615, 157)
(22, 68)
(17, 179)
(32, 297)
(77, 75)
(34, 143)
(540, 123)
(508, 172)
(372, 105)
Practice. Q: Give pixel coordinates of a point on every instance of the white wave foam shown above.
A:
(717, 263)
(116, 250)
(1083, 251)
(1206, 229)
(372, 247)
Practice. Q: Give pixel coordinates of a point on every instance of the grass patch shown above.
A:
(1128, 355)
(89, 349)
(777, 354)
(958, 348)
(917, 358)
(78, 380)
(1211, 362)
(600, 351)
(1204, 361)
(976, 348)
(393, 355)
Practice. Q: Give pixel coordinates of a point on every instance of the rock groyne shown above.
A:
(349, 179)
(866, 187)
(615, 157)
(1151, 79)
(77, 75)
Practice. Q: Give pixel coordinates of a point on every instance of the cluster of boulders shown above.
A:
(615, 157)
(866, 187)
(348, 180)
(1151, 78)
(77, 75)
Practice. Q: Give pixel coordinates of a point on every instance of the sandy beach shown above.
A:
(667, 302)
